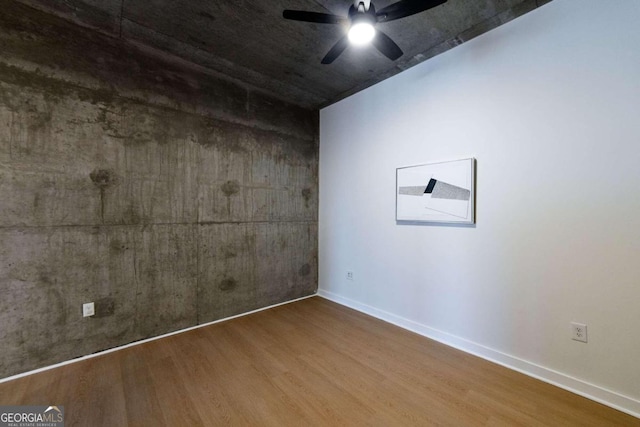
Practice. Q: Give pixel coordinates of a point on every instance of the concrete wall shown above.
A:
(169, 196)
(548, 105)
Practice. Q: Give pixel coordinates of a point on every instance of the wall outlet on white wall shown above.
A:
(579, 331)
(88, 309)
(349, 275)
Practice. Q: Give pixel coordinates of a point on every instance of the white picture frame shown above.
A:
(440, 192)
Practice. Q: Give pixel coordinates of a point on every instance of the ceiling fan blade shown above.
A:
(405, 8)
(336, 50)
(318, 18)
(386, 46)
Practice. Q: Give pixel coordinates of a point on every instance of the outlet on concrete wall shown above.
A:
(88, 309)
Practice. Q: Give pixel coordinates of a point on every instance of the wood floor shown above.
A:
(311, 362)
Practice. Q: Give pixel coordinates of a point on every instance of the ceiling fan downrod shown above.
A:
(362, 5)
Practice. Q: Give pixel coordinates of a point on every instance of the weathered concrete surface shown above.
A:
(168, 196)
(51, 47)
(231, 281)
(143, 280)
(251, 40)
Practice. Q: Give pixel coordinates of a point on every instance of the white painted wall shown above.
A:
(549, 105)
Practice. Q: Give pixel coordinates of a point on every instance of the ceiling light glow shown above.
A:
(361, 33)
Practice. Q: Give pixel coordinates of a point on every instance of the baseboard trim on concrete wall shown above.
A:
(122, 347)
(599, 394)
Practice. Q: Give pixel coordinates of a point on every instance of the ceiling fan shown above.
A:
(362, 19)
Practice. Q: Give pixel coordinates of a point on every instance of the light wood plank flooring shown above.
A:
(311, 362)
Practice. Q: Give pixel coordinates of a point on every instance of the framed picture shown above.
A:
(441, 192)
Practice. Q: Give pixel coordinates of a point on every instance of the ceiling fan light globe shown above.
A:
(361, 33)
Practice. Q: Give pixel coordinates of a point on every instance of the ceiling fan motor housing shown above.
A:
(362, 23)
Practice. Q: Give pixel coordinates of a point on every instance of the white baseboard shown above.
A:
(601, 395)
(111, 350)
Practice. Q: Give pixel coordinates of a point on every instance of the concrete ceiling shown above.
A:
(250, 41)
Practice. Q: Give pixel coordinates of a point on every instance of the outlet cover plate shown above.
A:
(88, 309)
(579, 332)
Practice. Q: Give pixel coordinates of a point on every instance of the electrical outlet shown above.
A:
(88, 309)
(578, 331)
(349, 275)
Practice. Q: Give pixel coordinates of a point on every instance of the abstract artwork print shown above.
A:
(436, 192)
